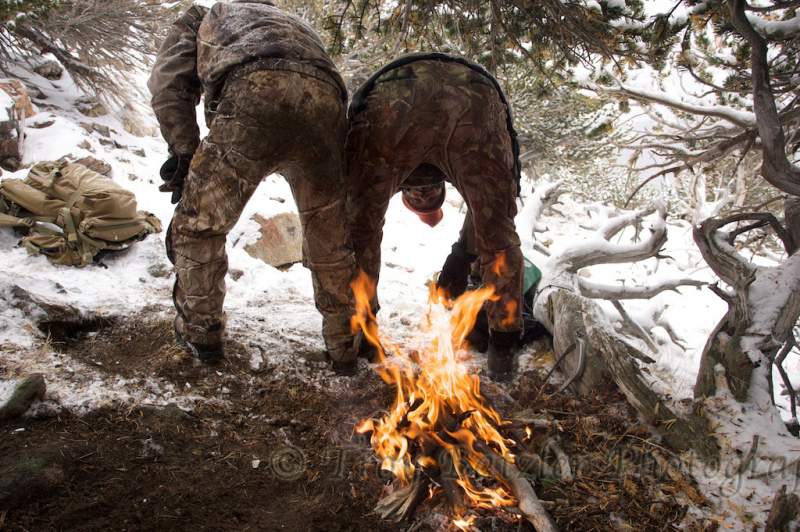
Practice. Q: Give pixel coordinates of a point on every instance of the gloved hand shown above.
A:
(173, 172)
(455, 271)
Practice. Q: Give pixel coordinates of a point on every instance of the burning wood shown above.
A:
(441, 435)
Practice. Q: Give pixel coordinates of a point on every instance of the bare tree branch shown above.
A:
(603, 291)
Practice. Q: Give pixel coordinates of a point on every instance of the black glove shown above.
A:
(455, 271)
(173, 172)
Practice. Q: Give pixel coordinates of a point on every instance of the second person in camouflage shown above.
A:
(420, 121)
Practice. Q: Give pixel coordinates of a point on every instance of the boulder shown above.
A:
(15, 107)
(26, 391)
(17, 91)
(90, 106)
(50, 69)
(52, 315)
(281, 241)
(100, 129)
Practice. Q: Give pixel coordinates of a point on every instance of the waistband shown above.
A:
(287, 65)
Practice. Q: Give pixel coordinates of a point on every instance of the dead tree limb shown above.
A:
(763, 309)
(784, 509)
(603, 291)
(546, 197)
(608, 359)
(529, 504)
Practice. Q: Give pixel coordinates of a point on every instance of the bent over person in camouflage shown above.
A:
(274, 101)
(417, 122)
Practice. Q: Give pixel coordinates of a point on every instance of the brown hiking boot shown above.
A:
(207, 353)
(345, 368)
(502, 350)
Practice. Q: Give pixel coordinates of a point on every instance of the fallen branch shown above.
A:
(603, 291)
(638, 329)
(529, 504)
(784, 509)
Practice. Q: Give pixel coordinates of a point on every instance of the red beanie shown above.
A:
(430, 217)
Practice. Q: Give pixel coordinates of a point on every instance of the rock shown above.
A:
(99, 166)
(281, 242)
(51, 317)
(139, 152)
(50, 69)
(90, 106)
(160, 270)
(17, 91)
(85, 145)
(15, 107)
(26, 391)
(42, 125)
(28, 476)
(235, 274)
(100, 129)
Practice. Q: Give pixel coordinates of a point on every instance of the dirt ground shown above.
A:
(278, 452)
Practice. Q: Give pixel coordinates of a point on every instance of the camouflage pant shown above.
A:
(266, 121)
(447, 115)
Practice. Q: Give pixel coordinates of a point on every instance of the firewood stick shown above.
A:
(447, 479)
(529, 504)
(400, 504)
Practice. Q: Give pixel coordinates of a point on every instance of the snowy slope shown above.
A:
(268, 307)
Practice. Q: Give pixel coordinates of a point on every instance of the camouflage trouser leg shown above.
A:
(370, 188)
(215, 192)
(483, 161)
(326, 248)
(266, 121)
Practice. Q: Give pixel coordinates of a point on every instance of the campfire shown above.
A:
(441, 437)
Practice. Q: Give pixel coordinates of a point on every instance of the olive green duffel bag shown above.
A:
(71, 213)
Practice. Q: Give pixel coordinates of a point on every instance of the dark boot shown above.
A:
(502, 348)
(365, 349)
(345, 368)
(207, 353)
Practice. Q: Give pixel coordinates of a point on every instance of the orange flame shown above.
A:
(511, 318)
(464, 523)
(499, 266)
(437, 400)
(364, 319)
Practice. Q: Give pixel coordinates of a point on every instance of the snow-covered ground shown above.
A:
(266, 306)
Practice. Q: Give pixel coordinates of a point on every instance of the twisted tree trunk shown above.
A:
(591, 353)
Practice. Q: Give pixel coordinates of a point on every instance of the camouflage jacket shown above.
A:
(204, 45)
(411, 65)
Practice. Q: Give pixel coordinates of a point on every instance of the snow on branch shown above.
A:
(547, 195)
(734, 116)
(775, 29)
(614, 225)
(604, 291)
(602, 251)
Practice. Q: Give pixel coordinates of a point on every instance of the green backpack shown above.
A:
(71, 213)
